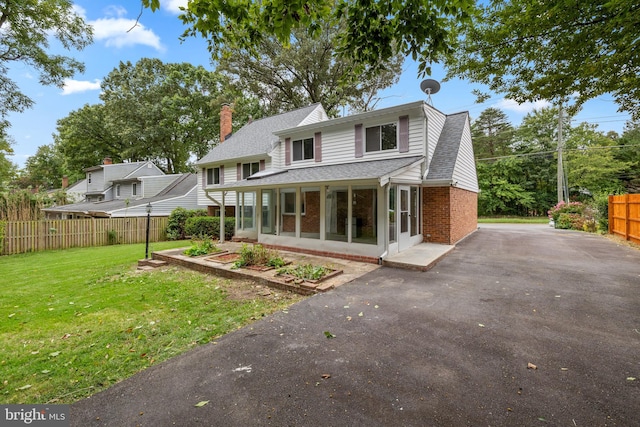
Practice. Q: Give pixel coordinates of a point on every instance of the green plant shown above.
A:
(258, 255)
(112, 237)
(203, 247)
(601, 206)
(177, 220)
(565, 208)
(305, 271)
(569, 221)
(209, 226)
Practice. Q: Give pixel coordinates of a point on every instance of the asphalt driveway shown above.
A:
(447, 347)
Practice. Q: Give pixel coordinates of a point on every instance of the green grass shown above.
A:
(74, 322)
(514, 220)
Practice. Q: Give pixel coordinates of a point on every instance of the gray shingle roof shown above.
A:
(373, 169)
(444, 158)
(178, 187)
(256, 138)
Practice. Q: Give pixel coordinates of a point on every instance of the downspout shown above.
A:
(386, 222)
(221, 206)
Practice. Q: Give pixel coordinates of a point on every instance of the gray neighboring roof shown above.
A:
(126, 168)
(444, 157)
(373, 169)
(256, 138)
(177, 188)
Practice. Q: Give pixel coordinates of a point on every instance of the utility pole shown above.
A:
(560, 168)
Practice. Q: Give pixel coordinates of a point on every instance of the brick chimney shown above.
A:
(226, 126)
(107, 161)
(65, 181)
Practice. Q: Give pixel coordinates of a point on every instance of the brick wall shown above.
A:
(449, 214)
(310, 221)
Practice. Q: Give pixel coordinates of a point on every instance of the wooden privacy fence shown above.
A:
(32, 236)
(624, 216)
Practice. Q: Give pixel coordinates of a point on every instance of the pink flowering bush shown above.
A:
(566, 208)
(573, 216)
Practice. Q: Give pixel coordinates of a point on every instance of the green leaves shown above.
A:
(375, 31)
(25, 29)
(531, 50)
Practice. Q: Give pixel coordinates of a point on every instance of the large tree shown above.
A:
(83, 139)
(492, 134)
(591, 161)
(44, 169)
(376, 30)
(7, 167)
(167, 113)
(26, 27)
(536, 49)
(306, 71)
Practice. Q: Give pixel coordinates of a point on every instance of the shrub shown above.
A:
(209, 226)
(569, 221)
(177, 222)
(601, 206)
(306, 271)
(258, 255)
(203, 247)
(568, 208)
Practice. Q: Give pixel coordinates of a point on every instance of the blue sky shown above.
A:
(156, 36)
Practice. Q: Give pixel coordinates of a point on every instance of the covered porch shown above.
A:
(364, 211)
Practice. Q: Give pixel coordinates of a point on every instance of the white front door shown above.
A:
(409, 217)
(404, 218)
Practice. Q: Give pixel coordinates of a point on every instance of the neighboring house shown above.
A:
(363, 186)
(75, 192)
(125, 189)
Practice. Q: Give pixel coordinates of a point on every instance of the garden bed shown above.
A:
(224, 257)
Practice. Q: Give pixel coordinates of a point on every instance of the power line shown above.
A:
(536, 153)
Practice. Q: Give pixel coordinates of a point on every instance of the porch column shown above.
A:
(222, 209)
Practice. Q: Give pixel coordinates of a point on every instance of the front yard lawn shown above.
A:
(74, 322)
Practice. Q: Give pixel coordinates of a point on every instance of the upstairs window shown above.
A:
(134, 189)
(302, 149)
(213, 176)
(118, 190)
(381, 138)
(249, 169)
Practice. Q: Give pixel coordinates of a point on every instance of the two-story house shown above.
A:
(125, 189)
(363, 186)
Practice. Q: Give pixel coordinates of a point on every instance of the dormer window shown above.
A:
(381, 138)
(134, 189)
(302, 149)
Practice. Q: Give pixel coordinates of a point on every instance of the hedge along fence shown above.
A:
(209, 226)
(31, 236)
(624, 216)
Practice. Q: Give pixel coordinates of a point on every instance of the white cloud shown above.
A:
(173, 6)
(75, 86)
(116, 31)
(524, 108)
(80, 11)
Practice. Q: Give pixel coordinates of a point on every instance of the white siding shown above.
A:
(435, 123)
(412, 175)
(316, 115)
(465, 170)
(230, 176)
(338, 143)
